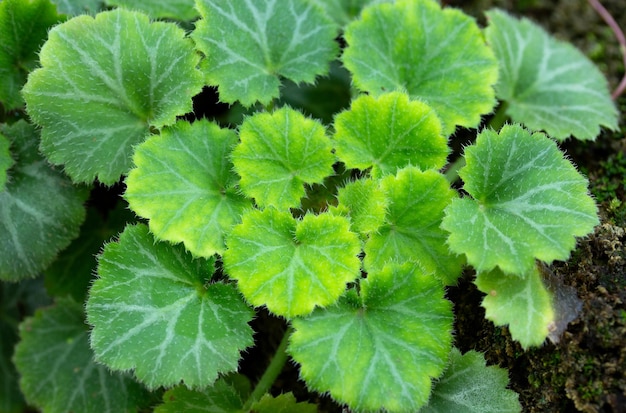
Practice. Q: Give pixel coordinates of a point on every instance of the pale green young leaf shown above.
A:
(40, 210)
(221, 397)
(527, 202)
(435, 55)
(182, 10)
(548, 84)
(283, 403)
(388, 133)
(104, 82)
(344, 11)
(24, 27)
(365, 204)
(280, 152)
(154, 309)
(382, 352)
(411, 232)
(469, 386)
(250, 45)
(76, 7)
(524, 303)
(184, 184)
(58, 372)
(290, 265)
(6, 160)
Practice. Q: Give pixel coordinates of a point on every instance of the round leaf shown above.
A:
(104, 82)
(384, 352)
(292, 266)
(548, 84)
(174, 9)
(388, 133)
(154, 310)
(436, 55)
(185, 185)
(249, 45)
(278, 154)
(527, 202)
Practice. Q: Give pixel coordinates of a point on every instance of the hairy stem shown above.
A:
(271, 373)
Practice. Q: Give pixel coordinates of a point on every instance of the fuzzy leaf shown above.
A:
(40, 210)
(58, 372)
(6, 160)
(388, 133)
(221, 397)
(381, 352)
(103, 84)
(250, 45)
(365, 203)
(524, 303)
(344, 11)
(284, 403)
(292, 266)
(278, 154)
(469, 386)
(411, 231)
(184, 184)
(527, 202)
(182, 10)
(548, 84)
(76, 7)
(435, 55)
(24, 27)
(154, 310)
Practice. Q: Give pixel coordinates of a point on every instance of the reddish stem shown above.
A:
(619, 34)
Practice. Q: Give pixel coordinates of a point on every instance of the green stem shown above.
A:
(271, 373)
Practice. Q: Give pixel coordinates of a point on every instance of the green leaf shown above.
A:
(411, 231)
(154, 310)
(6, 160)
(24, 27)
(221, 397)
(524, 303)
(182, 10)
(365, 203)
(76, 7)
(249, 46)
(469, 386)
(103, 84)
(11, 399)
(185, 185)
(290, 265)
(388, 133)
(40, 210)
(284, 403)
(435, 55)
(527, 202)
(58, 373)
(548, 84)
(383, 352)
(280, 152)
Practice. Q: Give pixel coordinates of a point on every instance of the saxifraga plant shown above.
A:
(341, 223)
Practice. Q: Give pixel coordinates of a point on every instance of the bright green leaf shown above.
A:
(40, 210)
(388, 133)
(58, 372)
(76, 7)
(365, 203)
(221, 397)
(103, 84)
(469, 386)
(381, 353)
(278, 154)
(174, 9)
(250, 45)
(154, 310)
(290, 265)
(527, 202)
(344, 11)
(24, 26)
(524, 303)
(548, 84)
(411, 231)
(435, 55)
(284, 403)
(6, 160)
(185, 185)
